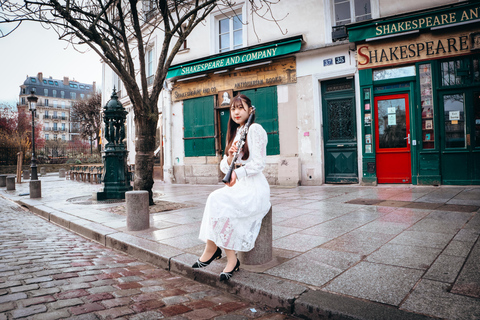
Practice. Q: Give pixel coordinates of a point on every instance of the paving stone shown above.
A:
(99, 297)
(175, 310)
(230, 306)
(60, 304)
(117, 302)
(149, 315)
(405, 256)
(114, 313)
(12, 297)
(203, 314)
(7, 306)
(24, 288)
(86, 308)
(175, 300)
(51, 315)
(375, 282)
(445, 268)
(37, 300)
(25, 312)
(43, 292)
(147, 305)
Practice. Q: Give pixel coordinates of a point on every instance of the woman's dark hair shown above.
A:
(238, 100)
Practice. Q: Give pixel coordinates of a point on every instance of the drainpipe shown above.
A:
(167, 125)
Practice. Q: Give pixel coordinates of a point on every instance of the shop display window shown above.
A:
(426, 98)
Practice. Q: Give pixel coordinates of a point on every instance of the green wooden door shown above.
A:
(266, 114)
(224, 115)
(199, 127)
(460, 137)
(339, 131)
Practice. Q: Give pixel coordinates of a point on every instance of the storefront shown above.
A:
(201, 91)
(420, 96)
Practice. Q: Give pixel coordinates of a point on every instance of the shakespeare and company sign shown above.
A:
(412, 49)
(236, 58)
(444, 17)
(278, 72)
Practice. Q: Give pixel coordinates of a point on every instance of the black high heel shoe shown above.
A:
(200, 264)
(224, 276)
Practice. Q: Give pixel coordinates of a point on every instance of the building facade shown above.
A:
(55, 99)
(308, 86)
(420, 95)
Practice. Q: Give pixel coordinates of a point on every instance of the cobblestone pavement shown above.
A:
(47, 272)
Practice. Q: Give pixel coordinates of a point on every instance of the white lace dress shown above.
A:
(233, 215)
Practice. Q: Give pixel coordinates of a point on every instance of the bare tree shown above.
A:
(119, 32)
(88, 114)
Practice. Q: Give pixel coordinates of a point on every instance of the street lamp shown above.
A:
(32, 106)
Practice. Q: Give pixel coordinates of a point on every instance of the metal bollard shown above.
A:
(138, 215)
(61, 173)
(43, 171)
(262, 251)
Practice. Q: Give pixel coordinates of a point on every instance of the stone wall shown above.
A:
(48, 168)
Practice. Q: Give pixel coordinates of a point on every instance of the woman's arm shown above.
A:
(257, 145)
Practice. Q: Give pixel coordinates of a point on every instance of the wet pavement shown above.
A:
(390, 251)
(47, 272)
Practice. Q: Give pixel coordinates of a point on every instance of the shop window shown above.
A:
(426, 100)
(449, 74)
(454, 110)
(230, 33)
(199, 127)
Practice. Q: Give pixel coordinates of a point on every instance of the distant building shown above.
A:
(55, 99)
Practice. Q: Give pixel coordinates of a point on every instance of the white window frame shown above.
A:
(218, 15)
(330, 19)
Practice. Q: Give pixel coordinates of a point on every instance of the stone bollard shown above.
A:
(138, 215)
(43, 171)
(3, 180)
(11, 183)
(35, 189)
(26, 174)
(61, 173)
(262, 251)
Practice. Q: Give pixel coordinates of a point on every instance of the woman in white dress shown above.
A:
(233, 214)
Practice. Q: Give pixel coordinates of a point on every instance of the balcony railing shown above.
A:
(46, 116)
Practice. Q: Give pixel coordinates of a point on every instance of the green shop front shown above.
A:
(201, 92)
(420, 96)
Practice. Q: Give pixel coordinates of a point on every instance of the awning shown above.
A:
(405, 24)
(237, 57)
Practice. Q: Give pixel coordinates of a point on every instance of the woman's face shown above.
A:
(239, 112)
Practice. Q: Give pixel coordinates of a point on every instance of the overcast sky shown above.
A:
(31, 49)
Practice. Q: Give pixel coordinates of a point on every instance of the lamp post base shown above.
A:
(35, 189)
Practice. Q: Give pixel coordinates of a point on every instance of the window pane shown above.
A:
(453, 105)
(362, 10)
(342, 12)
(224, 42)
(392, 124)
(237, 38)
(237, 22)
(224, 26)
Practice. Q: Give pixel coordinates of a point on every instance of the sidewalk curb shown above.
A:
(281, 294)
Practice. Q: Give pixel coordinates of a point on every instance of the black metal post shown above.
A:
(91, 148)
(32, 100)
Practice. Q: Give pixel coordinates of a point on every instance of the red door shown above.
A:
(393, 139)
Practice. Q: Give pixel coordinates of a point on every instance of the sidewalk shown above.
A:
(340, 251)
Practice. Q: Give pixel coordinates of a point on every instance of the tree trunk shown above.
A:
(144, 159)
